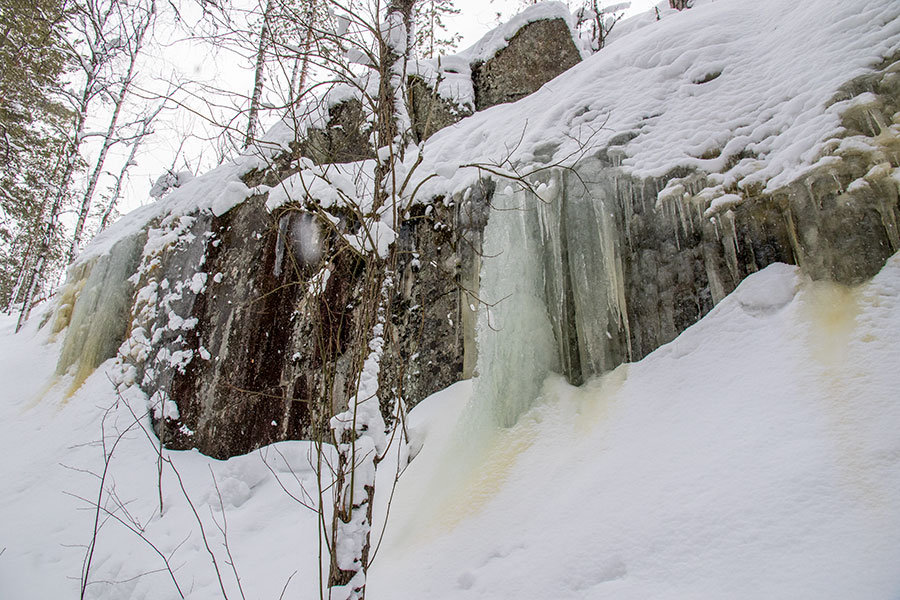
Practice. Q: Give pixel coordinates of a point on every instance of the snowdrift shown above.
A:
(754, 456)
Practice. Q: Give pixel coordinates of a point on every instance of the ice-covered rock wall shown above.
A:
(238, 322)
(234, 321)
(622, 265)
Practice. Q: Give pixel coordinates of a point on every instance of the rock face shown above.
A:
(250, 327)
(536, 54)
(227, 329)
(222, 326)
(344, 139)
(429, 112)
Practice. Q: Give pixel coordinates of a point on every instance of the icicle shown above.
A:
(888, 211)
(596, 271)
(794, 238)
(817, 202)
(837, 182)
(729, 243)
(556, 278)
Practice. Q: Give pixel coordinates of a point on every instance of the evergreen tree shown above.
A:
(33, 63)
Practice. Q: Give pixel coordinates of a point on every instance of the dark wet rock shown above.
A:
(272, 357)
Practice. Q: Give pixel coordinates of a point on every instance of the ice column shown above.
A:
(593, 238)
(516, 345)
(100, 316)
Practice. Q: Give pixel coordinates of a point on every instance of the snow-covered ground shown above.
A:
(756, 456)
(53, 448)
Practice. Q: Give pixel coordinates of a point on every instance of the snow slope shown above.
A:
(755, 456)
(53, 449)
(741, 90)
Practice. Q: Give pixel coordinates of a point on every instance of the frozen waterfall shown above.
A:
(552, 290)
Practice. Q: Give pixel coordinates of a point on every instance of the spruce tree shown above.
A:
(33, 63)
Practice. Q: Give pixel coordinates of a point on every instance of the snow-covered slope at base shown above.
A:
(756, 456)
(51, 459)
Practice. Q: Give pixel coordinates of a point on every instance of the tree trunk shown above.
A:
(117, 190)
(391, 116)
(109, 139)
(258, 78)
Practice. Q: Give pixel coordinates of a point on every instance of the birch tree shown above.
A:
(145, 129)
(259, 72)
(134, 30)
(376, 44)
(99, 39)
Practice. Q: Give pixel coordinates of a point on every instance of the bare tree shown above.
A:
(595, 22)
(259, 73)
(99, 41)
(134, 29)
(135, 141)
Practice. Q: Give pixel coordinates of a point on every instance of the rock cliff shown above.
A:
(242, 323)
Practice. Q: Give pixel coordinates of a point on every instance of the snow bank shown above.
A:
(755, 456)
(53, 449)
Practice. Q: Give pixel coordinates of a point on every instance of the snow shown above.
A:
(777, 66)
(54, 446)
(754, 456)
(498, 38)
(216, 191)
(452, 75)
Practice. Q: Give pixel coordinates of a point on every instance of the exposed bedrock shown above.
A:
(241, 327)
(536, 54)
(540, 51)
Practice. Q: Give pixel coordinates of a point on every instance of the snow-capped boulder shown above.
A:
(537, 53)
